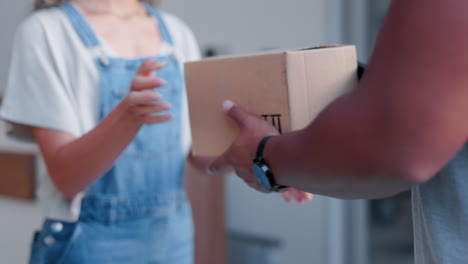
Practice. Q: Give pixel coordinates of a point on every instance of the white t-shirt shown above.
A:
(54, 83)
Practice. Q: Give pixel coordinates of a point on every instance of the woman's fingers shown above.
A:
(143, 106)
(298, 195)
(286, 197)
(149, 66)
(308, 196)
(155, 119)
(143, 97)
(145, 79)
(141, 82)
(301, 196)
(141, 110)
(142, 100)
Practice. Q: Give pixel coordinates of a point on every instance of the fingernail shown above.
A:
(227, 105)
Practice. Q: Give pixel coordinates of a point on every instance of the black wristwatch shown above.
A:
(263, 172)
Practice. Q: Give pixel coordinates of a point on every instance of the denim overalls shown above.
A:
(137, 211)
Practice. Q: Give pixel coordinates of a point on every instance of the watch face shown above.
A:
(261, 177)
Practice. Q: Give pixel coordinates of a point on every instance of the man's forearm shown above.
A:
(339, 155)
(402, 124)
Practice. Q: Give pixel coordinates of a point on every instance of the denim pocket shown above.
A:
(53, 243)
(35, 255)
(67, 252)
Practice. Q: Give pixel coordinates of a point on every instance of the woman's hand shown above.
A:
(293, 193)
(142, 102)
(68, 158)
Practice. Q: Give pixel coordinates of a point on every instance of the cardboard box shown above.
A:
(287, 88)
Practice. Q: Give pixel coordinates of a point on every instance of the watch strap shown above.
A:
(269, 174)
(261, 147)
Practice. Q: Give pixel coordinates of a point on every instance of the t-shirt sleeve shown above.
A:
(36, 94)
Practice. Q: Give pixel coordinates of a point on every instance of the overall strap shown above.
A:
(164, 31)
(81, 25)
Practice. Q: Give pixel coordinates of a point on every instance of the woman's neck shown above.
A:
(120, 8)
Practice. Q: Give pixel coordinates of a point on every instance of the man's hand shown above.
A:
(242, 151)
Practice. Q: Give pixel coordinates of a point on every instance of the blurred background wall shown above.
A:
(259, 228)
(18, 219)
